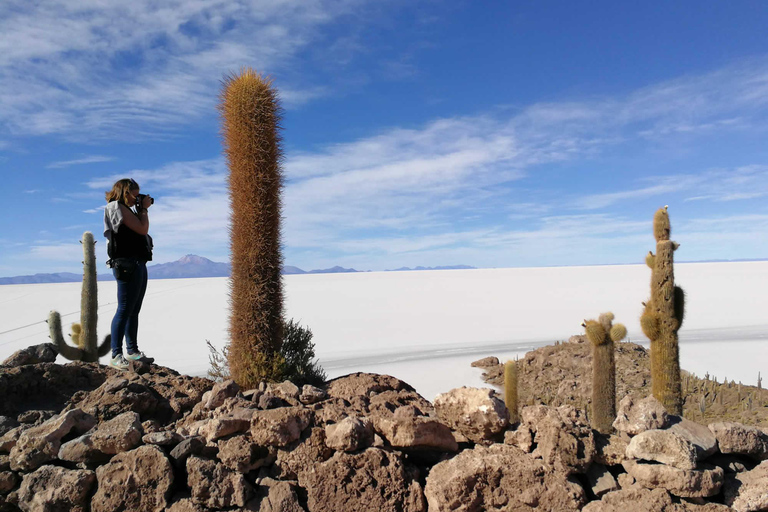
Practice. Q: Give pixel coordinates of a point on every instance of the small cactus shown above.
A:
(83, 335)
(602, 335)
(510, 391)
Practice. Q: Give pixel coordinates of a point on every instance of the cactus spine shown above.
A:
(663, 317)
(250, 120)
(83, 334)
(602, 334)
(510, 390)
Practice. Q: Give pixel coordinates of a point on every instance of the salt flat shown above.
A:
(425, 327)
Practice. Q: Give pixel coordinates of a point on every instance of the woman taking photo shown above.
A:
(126, 226)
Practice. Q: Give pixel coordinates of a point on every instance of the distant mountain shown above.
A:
(189, 266)
(333, 270)
(447, 267)
(59, 277)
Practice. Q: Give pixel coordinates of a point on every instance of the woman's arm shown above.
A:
(138, 224)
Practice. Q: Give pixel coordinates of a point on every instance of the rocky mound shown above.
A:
(561, 374)
(150, 440)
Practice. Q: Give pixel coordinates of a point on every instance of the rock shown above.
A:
(311, 394)
(52, 488)
(120, 434)
(222, 427)
(564, 440)
(182, 451)
(5, 462)
(139, 367)
(301, 456)
(699, 435)
(44, 353)
(40, 444)
(240, 454)
(646, 500)
(373, 480)
(334, 410)
(8, 481)
(35, 417)
(485, 362)
(7, 424)
(737, 438)
(522, 437)
(349, 435)
(216, 486)
(270, 401)
(748, 491)
(286, 390)
(663, 446)
(140, 479)
(364, 384)
(407, 430)
(185, 504)
(731, 463)
(279, 427)
(220, 392)
(474, 412)
(387, 402)
(696, 483)
(610, 450)
(634, 417)
(577, 339)
(601, 480)
(277, 496)
(10, 438)
(163, 438)
(499, 477)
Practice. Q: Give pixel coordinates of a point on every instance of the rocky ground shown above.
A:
(561, 374)
(85, 437)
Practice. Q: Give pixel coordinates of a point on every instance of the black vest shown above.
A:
(127, 243)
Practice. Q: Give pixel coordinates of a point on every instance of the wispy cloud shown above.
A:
(93, 159)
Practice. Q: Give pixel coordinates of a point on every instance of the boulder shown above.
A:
(601, 480)
(638, 499)
(44, 353)
(277, 496)
(742, 439)
(747, 491)
(688, 483)
(140, 479)
(279, 427)
(302, 456)
(40, 444)
(35, 417)
(499, 477)
(286, 390)
(120, 434)
(563, 438)
(8, 481)
(10, 438)
(349, 435)
(408, 430)
(610, 450)
(7, 423)
(364, 384)
(190, 446)
(486, 362)
(220, 392)
(370, 480)
(240, 454)
(217, 428)
(334, 410)
(663, 446)
(185, 504)
(312, 395)
(216, 486)
(270, 401)
(387, 402)
(699, 436)
(163, 438)
(475, 412)
(634, 417)
(51, 488)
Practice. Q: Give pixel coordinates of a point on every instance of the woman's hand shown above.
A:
(138, 223)
(146, 202)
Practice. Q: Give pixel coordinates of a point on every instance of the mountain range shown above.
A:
(189, 266)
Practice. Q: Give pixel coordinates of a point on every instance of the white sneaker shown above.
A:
(119, 362)
(140, 356)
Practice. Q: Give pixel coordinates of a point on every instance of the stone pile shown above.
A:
(151, 440)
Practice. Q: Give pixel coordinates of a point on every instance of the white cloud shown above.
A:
(92, 159)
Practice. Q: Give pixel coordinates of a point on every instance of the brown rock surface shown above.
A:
(564, 440)
(699, 435)
(748, 491)
(216, 486)
(475, 412)
(44, 353)
(8, 481)
(636, 416)
(373, 480)
(742, 439)
(240, 454)
(349, 435)
(647, 500)
(41, 444)
(141, 479)
(302, 456)
(52, 488)
(697, 483)
(663, 446)
(409, 430)
(499, 477)
(610, 450)
(279, 427)
(277, 496)
(120, 434)
(364, 384)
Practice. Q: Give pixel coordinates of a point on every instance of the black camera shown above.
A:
(140, 199)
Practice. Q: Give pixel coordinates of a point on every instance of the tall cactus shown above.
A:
(510, 391)
(602, 334)
(83, 334)
(250, 120)
(663, 317)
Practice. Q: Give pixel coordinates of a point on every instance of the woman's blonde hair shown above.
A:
(120, 191)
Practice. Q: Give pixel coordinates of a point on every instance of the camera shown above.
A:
(140, 199)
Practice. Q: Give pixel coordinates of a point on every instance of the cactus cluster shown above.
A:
(602, 335)
(510, 391)
(663, 316)
(83, 334)
(250, 119)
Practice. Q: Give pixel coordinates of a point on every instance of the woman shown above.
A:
(126, 224)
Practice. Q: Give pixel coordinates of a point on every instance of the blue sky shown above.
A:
(493, 134)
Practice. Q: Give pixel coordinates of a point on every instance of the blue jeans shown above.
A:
(130, 295)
